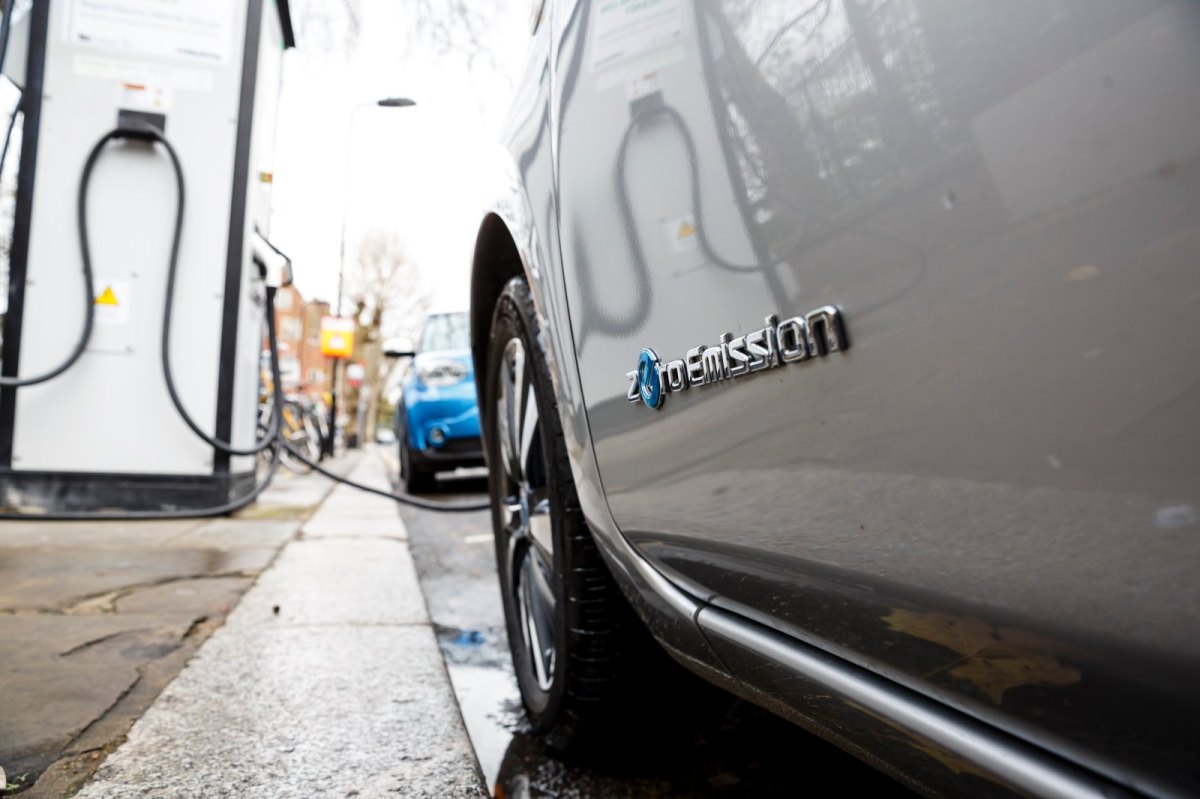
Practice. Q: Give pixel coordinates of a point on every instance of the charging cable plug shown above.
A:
(274, 267)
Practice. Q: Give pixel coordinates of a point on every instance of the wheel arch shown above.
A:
(499, 257)
(496, 261)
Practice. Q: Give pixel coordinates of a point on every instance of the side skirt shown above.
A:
(936, 748)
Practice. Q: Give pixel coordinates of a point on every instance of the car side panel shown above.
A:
(525, 214)
(991, 497)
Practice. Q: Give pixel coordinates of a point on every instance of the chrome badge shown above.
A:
(800, 338)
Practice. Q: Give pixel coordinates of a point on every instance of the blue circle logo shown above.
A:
(649, 380)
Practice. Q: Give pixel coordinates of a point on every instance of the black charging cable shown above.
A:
(89, 288)
(273, 439)
(270, 441)
(153, 135)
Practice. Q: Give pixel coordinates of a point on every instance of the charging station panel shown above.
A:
(104, 433)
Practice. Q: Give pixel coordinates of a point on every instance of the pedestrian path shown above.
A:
(326, 680)
(97, 617)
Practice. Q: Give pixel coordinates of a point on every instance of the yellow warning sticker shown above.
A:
(681, 233)
(114, 302)
(107, 297)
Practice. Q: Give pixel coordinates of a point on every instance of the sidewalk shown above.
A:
(326, 679)
(96, 617)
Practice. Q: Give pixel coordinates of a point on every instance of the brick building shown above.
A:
(298, 328)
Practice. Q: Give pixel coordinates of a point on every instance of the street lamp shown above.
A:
(339, 372)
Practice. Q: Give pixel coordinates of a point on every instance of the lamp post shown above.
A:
(339, 372)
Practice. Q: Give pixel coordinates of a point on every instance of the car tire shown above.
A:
(414, 479)
(569, 629)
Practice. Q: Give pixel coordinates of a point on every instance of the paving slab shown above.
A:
(300, 712)
(350, 513)
(301, 491)
(326, 680)
(88, 579)
(338, 581)
(237, 532)
(19, 535)
(52, 693)
(97, 617)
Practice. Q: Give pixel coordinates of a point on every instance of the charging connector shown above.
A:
(134, 121)
(274, 267)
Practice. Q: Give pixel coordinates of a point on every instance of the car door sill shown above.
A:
(1012, 761)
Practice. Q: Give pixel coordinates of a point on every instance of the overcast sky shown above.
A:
(413, 170)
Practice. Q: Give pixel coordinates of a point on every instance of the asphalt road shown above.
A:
(694, 741)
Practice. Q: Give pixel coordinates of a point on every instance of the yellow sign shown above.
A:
(107, 297)
(337, 337)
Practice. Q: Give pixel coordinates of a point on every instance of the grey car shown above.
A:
(852, 348)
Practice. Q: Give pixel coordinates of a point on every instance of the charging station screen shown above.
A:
(199, 30)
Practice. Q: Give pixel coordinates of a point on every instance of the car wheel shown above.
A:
(569, 628)
(415, 479)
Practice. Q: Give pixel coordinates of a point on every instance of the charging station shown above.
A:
(104, 434)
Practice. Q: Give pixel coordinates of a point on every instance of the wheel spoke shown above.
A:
(510, 514)
(543, 616)
(502, 416)
(534, 627)
(541, 533)
(515, 550)
(529, 428)
(516, 403)
(545, 591)
(524, 515)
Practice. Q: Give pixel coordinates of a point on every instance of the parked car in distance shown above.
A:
(852, 348)
(437, 416)
(385, 435)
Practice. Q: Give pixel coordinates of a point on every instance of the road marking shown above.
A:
(478, 539)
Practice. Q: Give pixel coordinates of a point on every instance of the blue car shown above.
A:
(437, 418)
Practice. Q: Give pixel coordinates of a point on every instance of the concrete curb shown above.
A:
(326, 680)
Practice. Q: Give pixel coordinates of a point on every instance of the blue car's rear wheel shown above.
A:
(568, 625)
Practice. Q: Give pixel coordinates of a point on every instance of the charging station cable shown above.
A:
(153, 135)
(275, 435)
(89, 288)
(273, 439)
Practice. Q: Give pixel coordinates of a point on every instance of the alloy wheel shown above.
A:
(525, 513)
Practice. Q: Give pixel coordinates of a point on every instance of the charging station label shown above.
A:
(196, 30)
(113, 313)
(112, 302)
(635, 37)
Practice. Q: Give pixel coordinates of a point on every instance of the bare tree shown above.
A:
(458, 27)
(328, 25)
(389, 298)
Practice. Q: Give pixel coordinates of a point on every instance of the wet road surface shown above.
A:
(693, 741)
